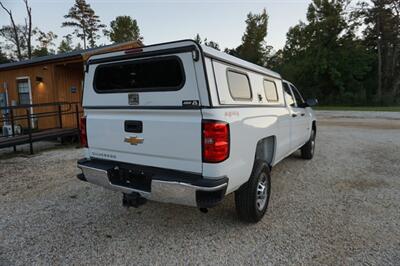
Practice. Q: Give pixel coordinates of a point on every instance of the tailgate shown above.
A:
(145, 111)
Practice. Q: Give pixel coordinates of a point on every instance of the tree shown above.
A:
(46, 41)
(86, 23)
(14, 41)
(211, 44)
(3, 57)
(325, 58)
(28, 26)
(381, 23)
(78, 47)
(198, 39)
(11, 33)
(123, 29)
(206, 42)
(65, 45)
(19, 35)
(253, 47)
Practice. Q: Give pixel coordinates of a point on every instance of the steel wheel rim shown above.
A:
(262, 190)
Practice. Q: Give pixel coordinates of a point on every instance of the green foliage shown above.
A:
(46, 42)
(8, 35)
(78, 47)
(206, 42)
(3, 57)
(41, 51)
(65, 45)
(325, 59)
(253, 47)
(123, 29)
(380, 20)
(85, 22)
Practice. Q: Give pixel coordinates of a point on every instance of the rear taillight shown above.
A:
(82, 132)
(215, 141)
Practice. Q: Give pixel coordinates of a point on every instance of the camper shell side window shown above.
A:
(270, 90)
(239, 85)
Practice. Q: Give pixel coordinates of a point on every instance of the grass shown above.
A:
(359, 108)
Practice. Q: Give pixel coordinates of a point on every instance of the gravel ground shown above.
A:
(342, 207)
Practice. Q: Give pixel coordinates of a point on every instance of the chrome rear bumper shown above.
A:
(202, 192)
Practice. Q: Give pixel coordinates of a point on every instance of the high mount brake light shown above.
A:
(215, 138)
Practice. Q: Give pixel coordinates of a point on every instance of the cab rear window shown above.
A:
(141, 75)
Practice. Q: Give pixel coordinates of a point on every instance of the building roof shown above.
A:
(69, 55)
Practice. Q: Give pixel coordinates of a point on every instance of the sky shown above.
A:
(160, 21)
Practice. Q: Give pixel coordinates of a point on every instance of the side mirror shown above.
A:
(311, 102)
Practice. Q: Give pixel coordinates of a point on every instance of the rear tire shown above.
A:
(307, 151)
(252, 198)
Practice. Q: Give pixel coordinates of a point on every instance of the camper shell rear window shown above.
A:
(140, 75)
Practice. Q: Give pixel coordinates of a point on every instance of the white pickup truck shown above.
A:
(186, 124)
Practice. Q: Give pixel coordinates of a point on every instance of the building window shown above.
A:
(23, 92)
(270, 90)
(239, 86)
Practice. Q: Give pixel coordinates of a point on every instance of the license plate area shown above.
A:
(135, 179)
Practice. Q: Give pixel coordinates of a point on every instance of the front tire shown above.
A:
(252, 198)
(307, 151)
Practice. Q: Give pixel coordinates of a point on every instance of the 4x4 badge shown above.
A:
(134, 140)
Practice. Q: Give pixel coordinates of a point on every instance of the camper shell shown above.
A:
(183, 123)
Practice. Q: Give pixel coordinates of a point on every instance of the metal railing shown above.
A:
(26, 118)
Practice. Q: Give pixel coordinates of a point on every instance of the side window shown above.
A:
(288, 95)
(270, 91)
(297, 96)
(239, 86)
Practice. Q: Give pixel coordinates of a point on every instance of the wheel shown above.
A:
(307, 151)
(252, 198)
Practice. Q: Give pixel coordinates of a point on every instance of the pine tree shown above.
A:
(206, 42)
(253, 47)
(124, 29)
(78, 47)
(86, 23)
(46, 42)
(197, 39)
(382, 36)
(65, 45)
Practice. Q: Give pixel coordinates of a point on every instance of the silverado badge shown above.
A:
(134, 140)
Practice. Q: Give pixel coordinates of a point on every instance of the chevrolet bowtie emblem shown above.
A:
(134, 140)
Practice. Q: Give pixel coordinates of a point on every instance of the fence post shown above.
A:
(60, 116)
(28, 115)
(12, 126)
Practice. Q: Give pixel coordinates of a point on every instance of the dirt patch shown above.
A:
(360, 184)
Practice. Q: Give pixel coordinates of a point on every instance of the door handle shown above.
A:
(134, 126)
(303, 114)
(294, 115)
